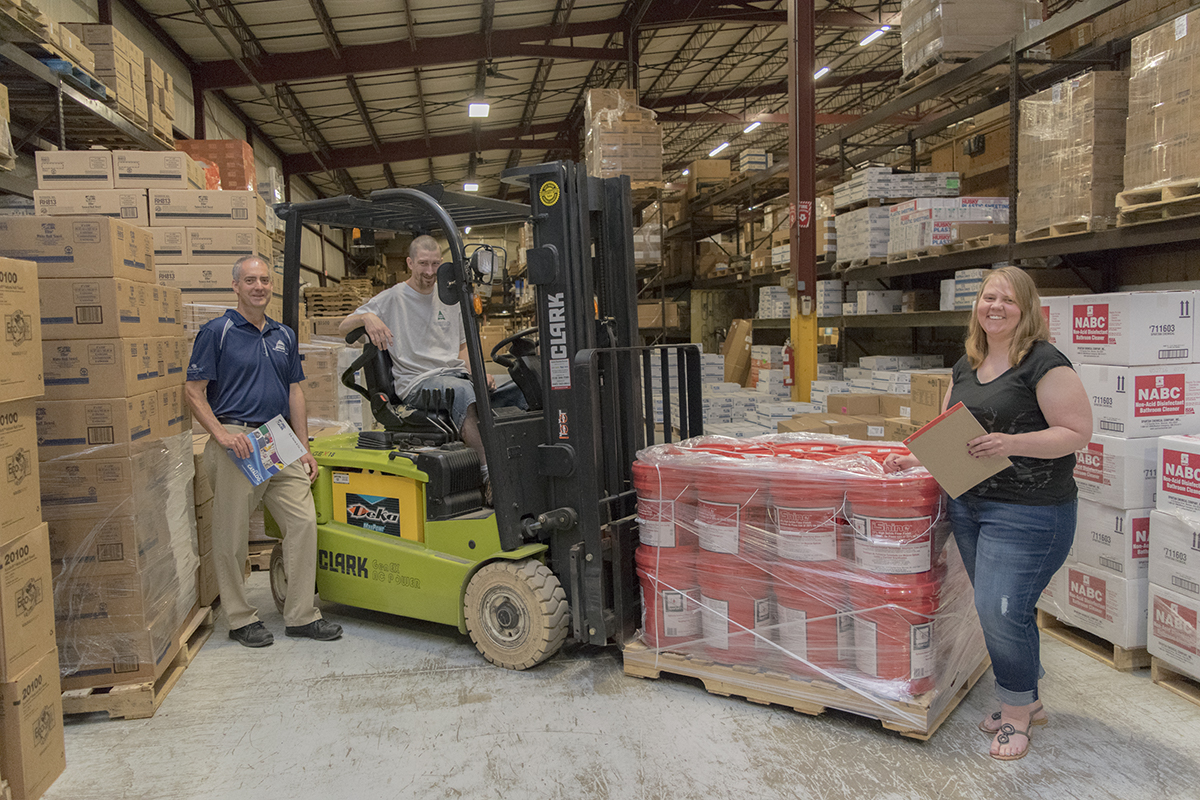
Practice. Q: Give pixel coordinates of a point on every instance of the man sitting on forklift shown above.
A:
(432, 352)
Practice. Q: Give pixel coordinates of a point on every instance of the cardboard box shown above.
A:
(224, 246)
(174, 413)
(1173, 634)
(1057, 313)
(1113, 539)
(1053, 599)
(1120, 473)
(99, 487)
(167, 307)
(27, 602)
(101, 428)
(156, 169)
(123, 204)
(927, 390)
(96, 309)
(81, 369)
(170, 247)
(897, 429)
(1174, 552)
(1112, 608)
(736, 351)
(896, 406)
(204, 519)
(71, 169)
(103, 546)
(94, 604)
(21, 349)
(226, 209)
(194, 279)
(1143, 401)
(100, 659)
(20, 498)
(201, 489)
(1133, 328)
(853, 404)
(206, 581)
(79, 247)
(32, 745)
(1178, 474)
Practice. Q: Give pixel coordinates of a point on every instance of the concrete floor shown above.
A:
(400, 709)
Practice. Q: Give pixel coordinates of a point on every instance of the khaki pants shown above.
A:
(288, 496)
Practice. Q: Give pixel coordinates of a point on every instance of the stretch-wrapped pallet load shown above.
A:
(937, 221)
(936, 30)
(123, 540)
(885, 183)
(862, 233)
(793, 567)
(1072, 146)
(621, 138)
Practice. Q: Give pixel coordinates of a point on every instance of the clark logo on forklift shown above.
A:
(373, 513)
(560, 364)
(549, 193)
(345, 563)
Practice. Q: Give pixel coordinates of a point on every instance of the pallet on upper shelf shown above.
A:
(1064, 229)
(869, 202)
(1175, 681)
(141, 700)
(917, 718)
(855, 263)
(1162, 192)
(1122, 659)
(979, 84)
(1179, 200)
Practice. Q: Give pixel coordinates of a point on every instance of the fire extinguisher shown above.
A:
(789, 364)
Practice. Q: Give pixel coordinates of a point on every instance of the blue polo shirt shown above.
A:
(249, 372)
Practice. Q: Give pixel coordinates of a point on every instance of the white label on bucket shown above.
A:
(866, 655)
(893, 546)
(793, 632)
(806, 534)
(764, 620)
(717, 524)
(921, 647)
(714, 621)
(845, 636)
(656, 522)
(680, 614)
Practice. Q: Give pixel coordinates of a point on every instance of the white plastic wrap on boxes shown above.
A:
(1137, 402)
(1113, 539)
(1122, 473)
(1133, 328)
(1174, 552)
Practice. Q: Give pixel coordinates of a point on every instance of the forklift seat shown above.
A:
(402, 424)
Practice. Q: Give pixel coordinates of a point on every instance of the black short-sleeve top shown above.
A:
(1008, 404)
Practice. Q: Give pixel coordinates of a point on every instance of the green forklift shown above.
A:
(402, 528)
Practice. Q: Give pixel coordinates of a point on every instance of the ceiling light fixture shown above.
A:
(478, 108)
(753, 126)
(686, 172)
(467, 231)
(821, 73)
(712, 153)
(470, 187)
(873, 36)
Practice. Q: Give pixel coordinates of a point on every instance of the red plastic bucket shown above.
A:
(878, 452)
(804, 514)
(670, 597)
(737, 612)
(894, 633)
(809, 607)
(894, 524)
(731, 512)
(666, 506)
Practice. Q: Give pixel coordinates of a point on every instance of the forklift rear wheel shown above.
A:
(516, 613)
(278, 576)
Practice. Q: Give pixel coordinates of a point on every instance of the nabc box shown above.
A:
(1121, 473)
(1172, 633)
(1174, 555)
(1179, 473)
(1132, 328)
(1113, 539)
(1057, 313)
(1111, 607)
(1143, 401)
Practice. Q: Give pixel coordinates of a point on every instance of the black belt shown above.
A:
(235, 421)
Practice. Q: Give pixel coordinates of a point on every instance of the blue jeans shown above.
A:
(1011, 551)
(464, 394)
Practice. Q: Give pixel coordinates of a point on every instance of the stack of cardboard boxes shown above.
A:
(1134, 352)
(933, 30)
(622, 138)
(32, 750)
(8, 156)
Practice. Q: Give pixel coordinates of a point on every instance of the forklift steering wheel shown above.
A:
(521, 346)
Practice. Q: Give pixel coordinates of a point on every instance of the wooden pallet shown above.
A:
(141, 700)
(1063, 229)
(978, 242)
(1174, 681)
(811, 697)
(1157, 194)
(1122, 659)
(921, 252)
(260, 556)
(1184, 206)
(870, 202)
(980, 84)
(75, 75)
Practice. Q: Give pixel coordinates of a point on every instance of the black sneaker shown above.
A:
(322, 630)
(253, 635)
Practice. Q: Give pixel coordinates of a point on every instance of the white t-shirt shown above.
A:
(426, 334)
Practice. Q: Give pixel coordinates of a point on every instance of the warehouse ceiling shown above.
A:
(360, 95)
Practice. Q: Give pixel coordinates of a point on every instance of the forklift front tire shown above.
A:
(516, 613)
(278, 575)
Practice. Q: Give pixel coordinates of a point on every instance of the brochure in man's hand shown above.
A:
(941, 445)
(273, 446)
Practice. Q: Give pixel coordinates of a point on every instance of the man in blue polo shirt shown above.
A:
(245, 370)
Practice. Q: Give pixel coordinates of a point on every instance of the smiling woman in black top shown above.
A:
(1015, 529)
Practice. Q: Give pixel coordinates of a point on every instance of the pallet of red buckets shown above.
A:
(792, 570)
